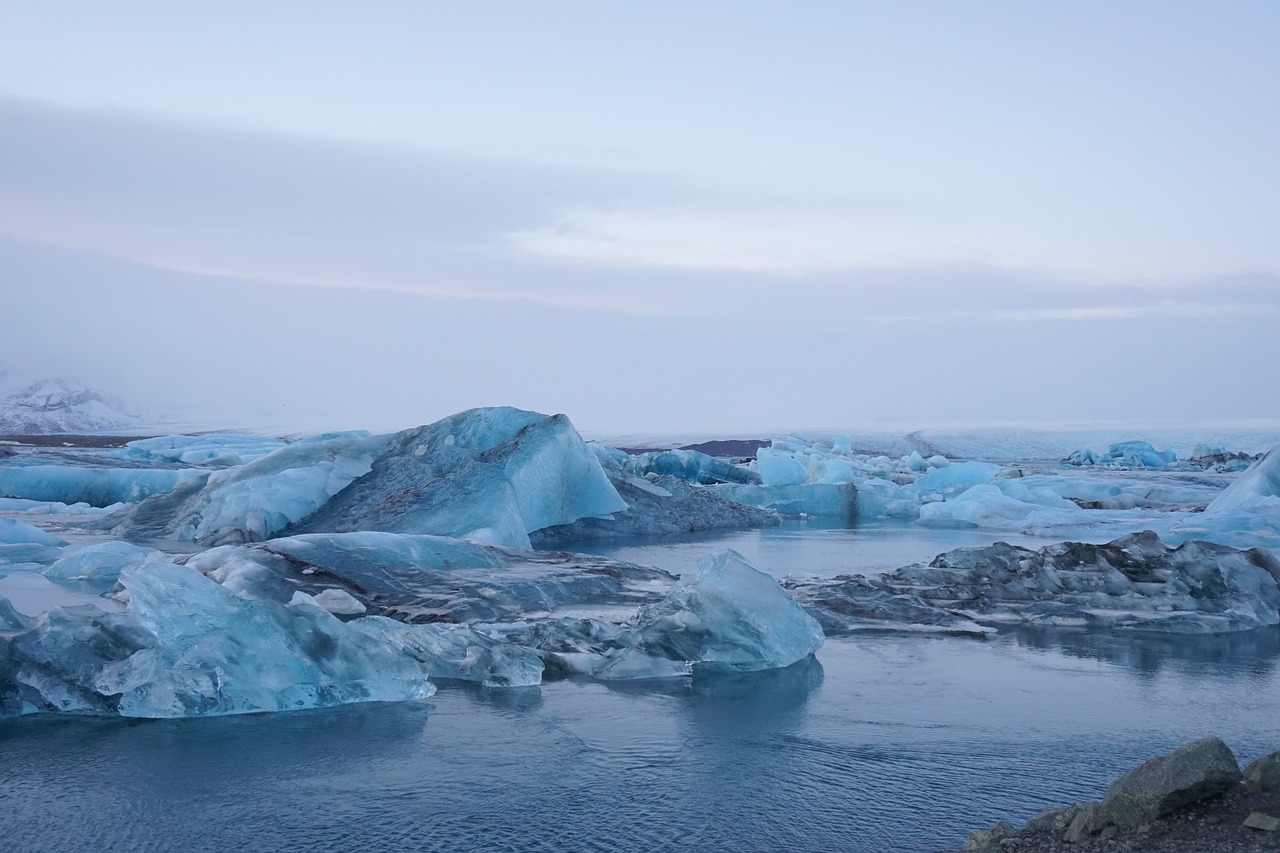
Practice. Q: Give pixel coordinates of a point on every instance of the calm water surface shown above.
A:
(881, 744)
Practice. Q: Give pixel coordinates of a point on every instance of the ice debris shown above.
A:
(1135, 583)
(431, 578)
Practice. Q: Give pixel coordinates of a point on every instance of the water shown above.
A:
(815, 548)
(883, 743)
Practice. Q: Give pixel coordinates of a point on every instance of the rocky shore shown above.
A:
(1192, 800)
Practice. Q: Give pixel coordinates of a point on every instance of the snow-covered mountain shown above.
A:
(62, 406)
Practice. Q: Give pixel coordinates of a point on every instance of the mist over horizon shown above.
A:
(961, 221)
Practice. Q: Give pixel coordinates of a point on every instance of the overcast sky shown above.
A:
(654, 217)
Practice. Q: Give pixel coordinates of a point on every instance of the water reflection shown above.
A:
(517, 700)
(1249, 653)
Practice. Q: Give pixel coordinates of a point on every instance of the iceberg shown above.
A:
(728, 617)
(779, 468)
(188, 647)
(97, 487)
(492, 475)
(256, 500)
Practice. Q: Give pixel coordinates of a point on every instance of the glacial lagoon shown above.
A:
(893, 737)
(883, 743)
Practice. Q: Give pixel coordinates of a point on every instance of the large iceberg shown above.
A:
(186, 646)
(492, 475)
(257, 500)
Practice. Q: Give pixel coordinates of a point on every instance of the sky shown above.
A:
(719, 216)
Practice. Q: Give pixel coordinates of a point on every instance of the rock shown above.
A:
(1264, 773)
(1264, 822)
(981, 839)
(1190, 773)
(1091, 818)
(1053, 820)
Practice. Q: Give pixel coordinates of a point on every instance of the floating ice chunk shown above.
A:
(458, 652)
(884, 499)
(690, 466)
(1260, 481)
(339, 602)
(255, 501)
(988, 505)
(1083, 458)
(836, 471)
(187, 647)
(838, 502)
(11, 620)
(17, 533)
(955, 479)
(916, 462)
(22, 543)
(656, 506)
(779, 468)
(493, 475)
(729, 616)
(98, 566)
(26, 505)
(95, 486)
(207, 449)
(1253, 525)
(1139, 454)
